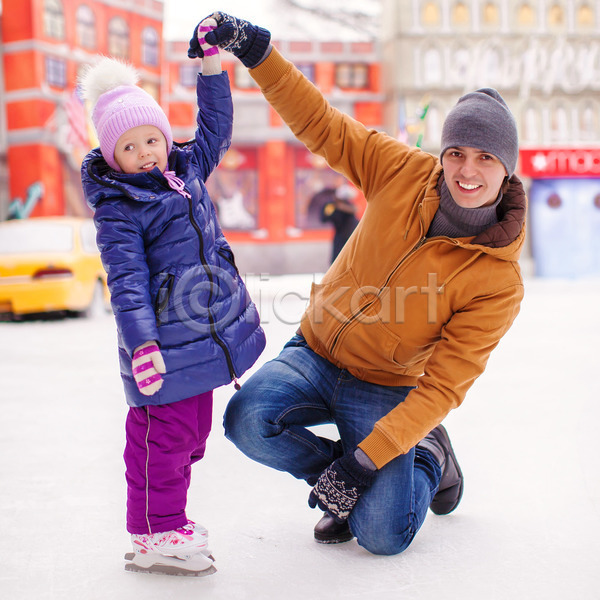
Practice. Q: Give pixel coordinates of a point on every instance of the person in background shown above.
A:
(401, 324)
(340, 211)
(185, 321)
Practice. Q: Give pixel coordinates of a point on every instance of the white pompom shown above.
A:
(106, 74)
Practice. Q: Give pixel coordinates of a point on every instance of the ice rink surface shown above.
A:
(526, 436)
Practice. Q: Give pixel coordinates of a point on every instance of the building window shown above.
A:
(118, 38)
(492, 64)
(460, 14)
(430, 14)
(556, 16)
(188, 75)
(54, 19)
(86, 27)
(588, 123)
(526, 14)
(432, 67)
(585, 15)
(531, 124)
(234, 189)
(56, 72)
(307, 70)
(150, 47)
(460, 65)
(243, 81)
(491, 14)
(352, 76)
(559, 124)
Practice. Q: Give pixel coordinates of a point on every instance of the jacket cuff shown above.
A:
(270, 70)
(379, 448)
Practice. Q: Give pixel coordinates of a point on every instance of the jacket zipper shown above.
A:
(410, 253)
(213, 329)
(353, 317)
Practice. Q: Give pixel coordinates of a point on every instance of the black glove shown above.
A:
(244, 40)
(340, 486)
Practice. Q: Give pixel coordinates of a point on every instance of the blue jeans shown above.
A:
(268, 420)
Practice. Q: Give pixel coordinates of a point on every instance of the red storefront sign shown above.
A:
(546, 163)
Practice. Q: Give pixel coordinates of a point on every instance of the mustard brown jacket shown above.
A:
(398, 308)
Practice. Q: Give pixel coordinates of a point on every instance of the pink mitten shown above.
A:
(207, 25)
(147, 365)
(211, 62)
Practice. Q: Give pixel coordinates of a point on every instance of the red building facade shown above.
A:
(44, 45)
(266, 189)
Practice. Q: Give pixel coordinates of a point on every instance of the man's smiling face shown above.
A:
(473, 177)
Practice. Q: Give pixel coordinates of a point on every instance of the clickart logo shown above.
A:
(202, 299)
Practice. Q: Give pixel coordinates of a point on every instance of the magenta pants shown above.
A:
(162, 443)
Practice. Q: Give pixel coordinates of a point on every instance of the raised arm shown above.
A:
(215, 107)
(366, 157)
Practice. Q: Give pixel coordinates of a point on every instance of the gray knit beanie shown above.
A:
(482, 120)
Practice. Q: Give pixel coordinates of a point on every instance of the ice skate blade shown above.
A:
(197, 566)
(131, 555)
(168, 570)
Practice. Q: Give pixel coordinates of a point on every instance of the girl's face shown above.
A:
(141, 149)
(473, 177)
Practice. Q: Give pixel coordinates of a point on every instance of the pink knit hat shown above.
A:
(120, 105)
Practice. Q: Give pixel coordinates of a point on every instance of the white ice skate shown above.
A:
(182, 551)
(202, 533)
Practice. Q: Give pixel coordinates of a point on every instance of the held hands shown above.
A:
(244, 40)
(147, 364)
(340, 486)
(200, 48)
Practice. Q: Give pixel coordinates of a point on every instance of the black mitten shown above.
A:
(244, 40)
(340, 486)
(194, 50)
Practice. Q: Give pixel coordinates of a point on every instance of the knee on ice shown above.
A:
(384, 544)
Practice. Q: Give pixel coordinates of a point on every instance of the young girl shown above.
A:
(185, 321)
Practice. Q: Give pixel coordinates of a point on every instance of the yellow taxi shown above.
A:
(50, 264)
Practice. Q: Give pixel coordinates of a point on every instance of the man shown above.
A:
(402, 323)
(340, 211)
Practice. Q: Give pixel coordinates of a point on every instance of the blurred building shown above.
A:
(398, 66)
(44, 129)
(266, 190)
(544, 58)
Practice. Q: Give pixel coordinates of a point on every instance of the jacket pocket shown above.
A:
(163, 295)
(227, 255)
(332, 308)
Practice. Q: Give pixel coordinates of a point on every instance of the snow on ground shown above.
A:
(526, 436)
